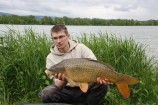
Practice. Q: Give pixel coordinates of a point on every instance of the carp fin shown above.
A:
(124, 89)
(71, 82)
(105, 64)
(83, 87)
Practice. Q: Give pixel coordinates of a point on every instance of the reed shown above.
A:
(22, 64)
(127, 57)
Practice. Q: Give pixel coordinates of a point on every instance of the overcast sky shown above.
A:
(105, 9)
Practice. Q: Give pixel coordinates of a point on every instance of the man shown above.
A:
(60, 91)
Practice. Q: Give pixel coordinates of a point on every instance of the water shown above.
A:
(147, 35)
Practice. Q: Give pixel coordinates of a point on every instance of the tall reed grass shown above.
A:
(127, 57)
(22, 64)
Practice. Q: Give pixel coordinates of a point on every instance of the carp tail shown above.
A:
(122, 84)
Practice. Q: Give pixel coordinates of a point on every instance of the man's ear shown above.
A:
(68, 35)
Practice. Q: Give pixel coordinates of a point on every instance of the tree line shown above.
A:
(47, 20)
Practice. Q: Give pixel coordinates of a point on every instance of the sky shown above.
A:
(103, 9)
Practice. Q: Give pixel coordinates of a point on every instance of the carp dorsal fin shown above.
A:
(90, 59)
(105, 64)
(83, 87)
(71, 82)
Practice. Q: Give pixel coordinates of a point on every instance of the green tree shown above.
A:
(46, 20)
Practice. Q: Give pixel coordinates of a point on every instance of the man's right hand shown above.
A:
(60, 76)
(60, 80)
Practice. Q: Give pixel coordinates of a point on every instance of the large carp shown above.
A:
(84, 71)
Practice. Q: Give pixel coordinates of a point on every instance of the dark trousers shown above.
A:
(73, 95)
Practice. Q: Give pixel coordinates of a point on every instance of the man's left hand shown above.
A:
(103, 81)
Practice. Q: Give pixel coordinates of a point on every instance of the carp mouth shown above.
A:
(49, 74)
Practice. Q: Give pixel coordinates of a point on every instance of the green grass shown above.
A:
(22, 65)
(127, 57)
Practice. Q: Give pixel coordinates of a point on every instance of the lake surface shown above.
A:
(147, 35)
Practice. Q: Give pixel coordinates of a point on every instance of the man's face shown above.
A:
(60, 39)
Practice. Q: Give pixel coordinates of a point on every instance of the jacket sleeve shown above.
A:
(49, 63)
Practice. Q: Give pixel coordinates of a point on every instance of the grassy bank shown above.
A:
(22, 64)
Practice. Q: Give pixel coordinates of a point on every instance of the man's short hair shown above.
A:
(58, 28)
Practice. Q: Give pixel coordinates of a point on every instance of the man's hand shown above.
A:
(60, 76)
(60, 80)
(103, 81)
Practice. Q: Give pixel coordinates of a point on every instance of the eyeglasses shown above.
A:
(59, 37)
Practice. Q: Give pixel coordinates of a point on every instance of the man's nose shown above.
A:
(58, 40)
